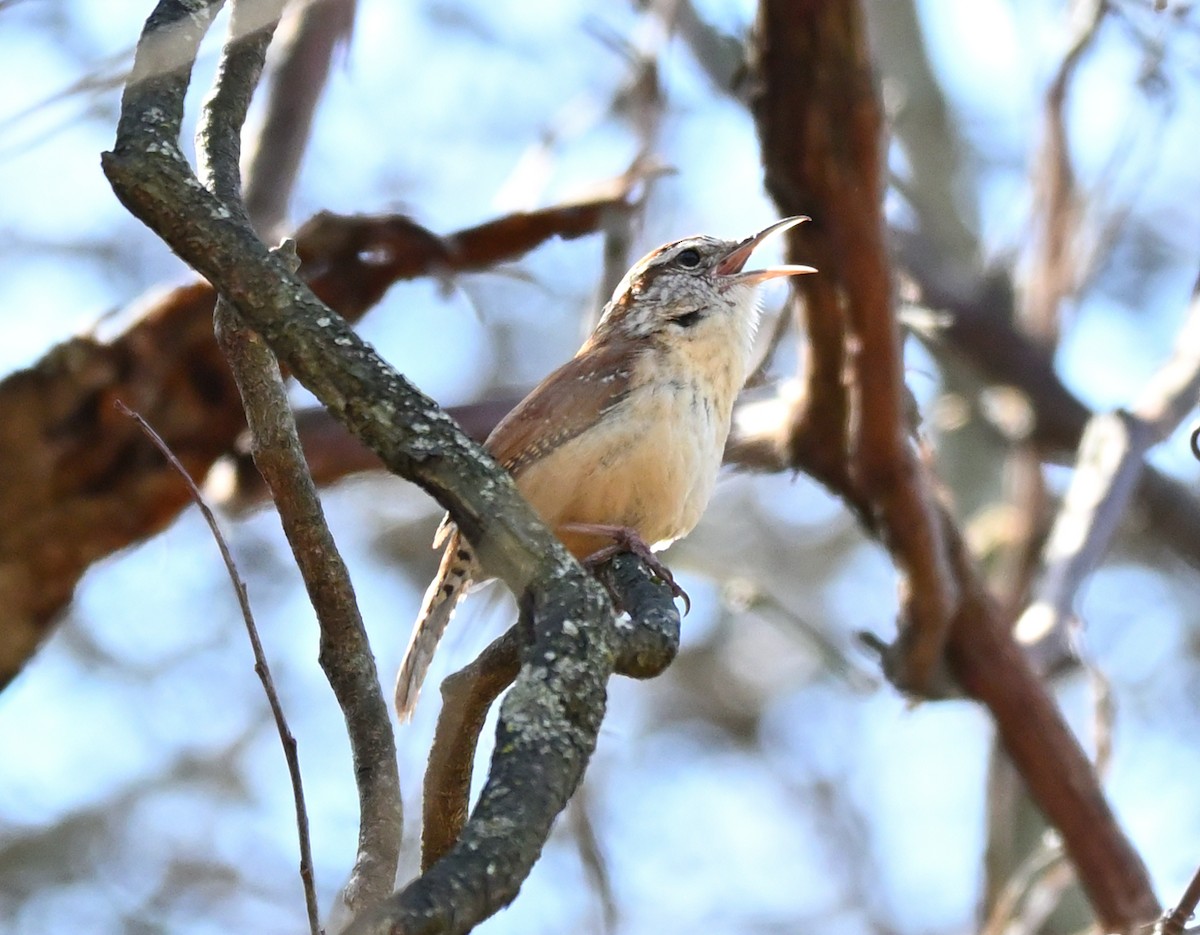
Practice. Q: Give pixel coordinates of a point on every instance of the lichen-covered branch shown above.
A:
(526, 788)
(345, 654)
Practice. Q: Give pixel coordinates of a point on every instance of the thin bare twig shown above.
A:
(1054, 269)
(260, 666)
(592, 857)
(640, 103)
(1174, 921)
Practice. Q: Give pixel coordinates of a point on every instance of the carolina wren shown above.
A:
(624, 441)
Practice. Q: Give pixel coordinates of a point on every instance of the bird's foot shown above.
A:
(626, 539)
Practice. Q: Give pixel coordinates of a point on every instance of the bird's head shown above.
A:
(693, 288)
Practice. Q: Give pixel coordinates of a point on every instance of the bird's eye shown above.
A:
(689, 258)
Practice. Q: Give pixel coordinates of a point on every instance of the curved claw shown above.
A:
(626, 539)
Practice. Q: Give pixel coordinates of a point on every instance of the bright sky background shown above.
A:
(144, 705)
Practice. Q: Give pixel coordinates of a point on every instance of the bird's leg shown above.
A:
(626, 539)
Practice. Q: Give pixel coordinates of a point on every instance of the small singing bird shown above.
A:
(623, 442)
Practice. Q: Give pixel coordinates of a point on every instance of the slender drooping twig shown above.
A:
(261, 668)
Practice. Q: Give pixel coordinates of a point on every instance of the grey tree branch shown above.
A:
(406, 429)
(219, 135)
(645, 644)
(549, 720)
(345, 653)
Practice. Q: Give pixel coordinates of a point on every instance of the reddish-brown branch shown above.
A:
(992, 669)
(814, 124)
(466, 697)
(821, 126)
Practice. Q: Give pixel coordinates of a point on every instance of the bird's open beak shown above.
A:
(733, 262)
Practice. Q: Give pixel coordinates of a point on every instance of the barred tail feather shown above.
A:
(450, 584)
